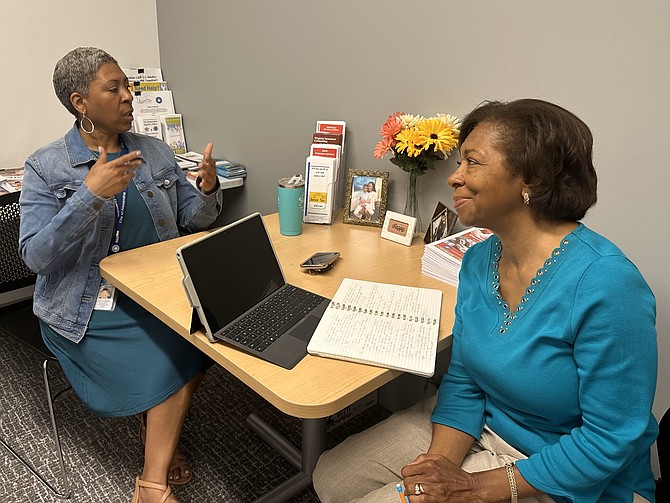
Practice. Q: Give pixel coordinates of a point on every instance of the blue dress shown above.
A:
(129, 361)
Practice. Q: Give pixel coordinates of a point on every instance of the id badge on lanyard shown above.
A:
(120, 210)
(106, 300)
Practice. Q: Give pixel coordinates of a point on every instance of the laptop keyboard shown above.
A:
(270, 320)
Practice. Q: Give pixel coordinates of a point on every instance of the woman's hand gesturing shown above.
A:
(108, 178)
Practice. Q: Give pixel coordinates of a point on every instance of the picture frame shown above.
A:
(360, 208)
(399, 228)
(441, 224)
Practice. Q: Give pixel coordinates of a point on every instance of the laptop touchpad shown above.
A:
(305, 329)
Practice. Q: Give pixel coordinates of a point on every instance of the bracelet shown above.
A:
(512, 482)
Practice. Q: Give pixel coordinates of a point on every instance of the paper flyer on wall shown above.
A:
(143, 74)
(138, 87)
(153, 103)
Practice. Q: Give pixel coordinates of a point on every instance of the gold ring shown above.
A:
(418, 489)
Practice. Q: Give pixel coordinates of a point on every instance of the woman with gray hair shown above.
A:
(98, 190)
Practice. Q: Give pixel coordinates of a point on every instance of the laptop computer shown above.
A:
(236, 285)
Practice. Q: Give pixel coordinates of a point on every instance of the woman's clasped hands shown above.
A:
(432, 478)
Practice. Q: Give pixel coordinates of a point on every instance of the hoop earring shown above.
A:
(526, 198)
(81, 124)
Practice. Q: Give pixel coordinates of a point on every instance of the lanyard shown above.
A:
(120, 209)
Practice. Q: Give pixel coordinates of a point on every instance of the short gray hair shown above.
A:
(75, 72)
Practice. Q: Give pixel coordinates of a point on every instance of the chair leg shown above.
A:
(67, 490)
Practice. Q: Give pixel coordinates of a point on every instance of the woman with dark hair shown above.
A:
(98, 190)
(552, 376)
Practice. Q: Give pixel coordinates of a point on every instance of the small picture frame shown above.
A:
(399, 228)
(442, 224)
(366, 195)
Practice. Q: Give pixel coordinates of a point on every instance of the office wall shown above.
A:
(34, 35)
(254, 76)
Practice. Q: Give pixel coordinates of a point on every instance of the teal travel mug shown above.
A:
(291, 203)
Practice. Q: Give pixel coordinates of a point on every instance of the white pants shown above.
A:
(365, 468)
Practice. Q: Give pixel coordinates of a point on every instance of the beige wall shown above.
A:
(36, 34)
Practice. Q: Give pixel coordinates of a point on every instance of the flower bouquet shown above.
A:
(416, 143)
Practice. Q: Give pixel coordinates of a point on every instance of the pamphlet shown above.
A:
(173, 132)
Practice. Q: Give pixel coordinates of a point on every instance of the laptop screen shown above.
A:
(232, 270)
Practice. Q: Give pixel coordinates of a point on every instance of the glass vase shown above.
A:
(412, 202)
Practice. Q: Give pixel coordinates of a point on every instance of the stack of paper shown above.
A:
(224, 169)
(229, 169)
(442, 259)
(11, 180)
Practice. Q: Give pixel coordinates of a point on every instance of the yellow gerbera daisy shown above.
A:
(410, 142)
(435, 132)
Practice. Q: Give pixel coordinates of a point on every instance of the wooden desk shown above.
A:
(316, 387)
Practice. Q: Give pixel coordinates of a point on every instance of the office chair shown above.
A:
(18, 322)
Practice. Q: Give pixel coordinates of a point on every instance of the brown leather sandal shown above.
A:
(179, 462)
(167, 490)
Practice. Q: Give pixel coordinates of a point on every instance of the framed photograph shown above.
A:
(366, 194)
(442, 224)
(399, 228)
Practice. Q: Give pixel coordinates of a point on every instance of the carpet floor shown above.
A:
(103, 456)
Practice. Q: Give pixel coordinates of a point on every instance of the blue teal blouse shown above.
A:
(567, 377)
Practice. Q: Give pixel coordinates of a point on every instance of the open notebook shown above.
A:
(380, 324)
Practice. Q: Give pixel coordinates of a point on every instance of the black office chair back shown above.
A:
(18, 321)
(14, 274)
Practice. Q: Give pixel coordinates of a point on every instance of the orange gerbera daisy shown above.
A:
(383, 146)
(391, 127)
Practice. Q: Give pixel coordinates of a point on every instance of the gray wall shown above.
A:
(254, 76)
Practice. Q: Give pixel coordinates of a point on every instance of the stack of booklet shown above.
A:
(229, 169)
(11, 180)
(224, 169)
(442, 259)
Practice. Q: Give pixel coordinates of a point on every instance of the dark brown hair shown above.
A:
(550, 148)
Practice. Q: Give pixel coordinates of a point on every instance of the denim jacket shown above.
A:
(66, 230)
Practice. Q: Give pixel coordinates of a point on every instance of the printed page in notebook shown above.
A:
(380, 324)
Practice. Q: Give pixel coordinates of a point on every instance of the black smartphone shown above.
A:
(320, 261)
